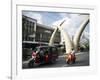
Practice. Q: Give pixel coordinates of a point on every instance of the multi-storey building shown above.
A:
(33, 32)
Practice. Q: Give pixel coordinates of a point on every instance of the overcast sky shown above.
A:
(51, 19)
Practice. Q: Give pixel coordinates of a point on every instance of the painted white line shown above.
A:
(65, 65)
(79, 53)
(75, 54)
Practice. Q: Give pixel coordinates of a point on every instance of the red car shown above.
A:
(43, 54)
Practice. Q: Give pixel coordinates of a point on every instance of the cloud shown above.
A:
(33, 15)
(63, 15)
(72, 23)
(68, 25)
(58, 22)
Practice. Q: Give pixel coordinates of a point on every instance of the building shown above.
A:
(35, 33)
(28, 28)
(43, 34)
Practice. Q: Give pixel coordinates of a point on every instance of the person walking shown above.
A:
(71, 57)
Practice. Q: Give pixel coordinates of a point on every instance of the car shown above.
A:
(43, 54)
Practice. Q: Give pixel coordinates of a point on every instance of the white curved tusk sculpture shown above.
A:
(79, 33)
(51, 41)
(68, 43)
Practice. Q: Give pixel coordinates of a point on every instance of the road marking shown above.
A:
(65, 65)
(75, 54)
(79, 53)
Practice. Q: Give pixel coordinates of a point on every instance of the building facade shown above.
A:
(34, 32)
(28, 28)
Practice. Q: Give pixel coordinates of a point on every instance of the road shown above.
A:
(82, 59)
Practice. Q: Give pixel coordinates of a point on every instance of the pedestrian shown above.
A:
(71, 57)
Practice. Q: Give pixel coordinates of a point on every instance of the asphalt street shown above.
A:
(82, 59)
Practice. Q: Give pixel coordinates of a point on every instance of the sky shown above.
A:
(52, 19)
